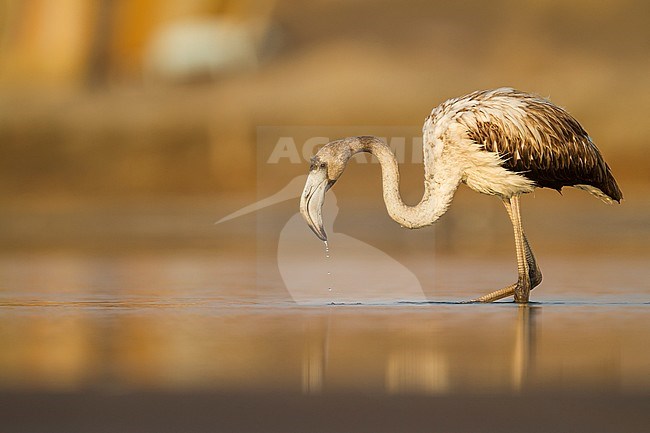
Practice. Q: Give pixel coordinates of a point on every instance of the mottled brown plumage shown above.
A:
(549, 147)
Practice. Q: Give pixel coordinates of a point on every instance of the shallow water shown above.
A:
(197, 321)
(142, 340)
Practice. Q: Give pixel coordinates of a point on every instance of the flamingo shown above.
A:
(500, 142)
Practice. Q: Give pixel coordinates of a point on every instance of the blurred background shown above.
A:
(127, 127)
(110, 110)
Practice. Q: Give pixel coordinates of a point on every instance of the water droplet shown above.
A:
(330, 277)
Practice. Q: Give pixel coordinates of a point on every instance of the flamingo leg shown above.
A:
(529, 275)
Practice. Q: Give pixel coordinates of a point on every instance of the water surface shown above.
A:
(198, 321)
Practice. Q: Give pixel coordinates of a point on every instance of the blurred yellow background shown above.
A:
(113, 110)
(138, 98)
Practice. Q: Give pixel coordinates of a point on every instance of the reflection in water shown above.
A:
(524, 347)
(417, 371)
(422, 369)
(165, 323)
(392, 349)
(314, 363)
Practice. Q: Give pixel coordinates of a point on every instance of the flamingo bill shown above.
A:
(312, 199)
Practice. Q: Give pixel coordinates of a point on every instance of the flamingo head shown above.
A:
(325, 169)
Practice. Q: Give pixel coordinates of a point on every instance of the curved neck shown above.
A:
(439, 187)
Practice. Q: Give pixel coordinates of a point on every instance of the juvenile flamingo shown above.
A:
(500, 142)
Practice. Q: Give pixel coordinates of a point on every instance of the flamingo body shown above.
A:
(523, 134)
(501, 142)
